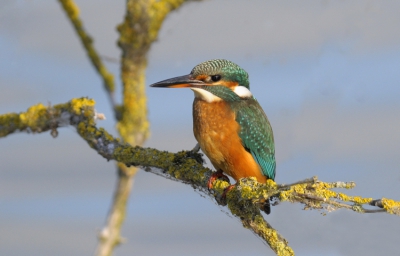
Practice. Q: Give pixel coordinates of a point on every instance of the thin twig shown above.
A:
(72, 11)
(327, 201)
(357, 208)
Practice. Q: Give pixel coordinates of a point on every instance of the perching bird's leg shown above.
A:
(196, 148)
(216, 175)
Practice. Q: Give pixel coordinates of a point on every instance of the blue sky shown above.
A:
(325, 72)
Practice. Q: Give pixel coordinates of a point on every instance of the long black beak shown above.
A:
(179, 82)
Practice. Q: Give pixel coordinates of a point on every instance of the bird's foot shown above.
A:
(223, 196)
(229, 188)
(216, 175)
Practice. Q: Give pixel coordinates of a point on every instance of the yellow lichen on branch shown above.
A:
(83, 106)
(39, 118)
(245, 200)
(391, 206)
(277, 243)
(319, 195)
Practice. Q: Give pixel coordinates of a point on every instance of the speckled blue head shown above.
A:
(228, 71)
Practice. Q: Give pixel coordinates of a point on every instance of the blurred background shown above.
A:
(325, 72)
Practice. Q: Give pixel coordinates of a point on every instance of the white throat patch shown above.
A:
(205, 95)
(242, 92)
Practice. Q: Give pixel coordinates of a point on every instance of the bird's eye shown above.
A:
(215, 78)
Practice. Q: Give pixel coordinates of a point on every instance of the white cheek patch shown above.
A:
(205, 95)
(242, 92)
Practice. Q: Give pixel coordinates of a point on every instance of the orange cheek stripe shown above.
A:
(201, 77)
(230, 84)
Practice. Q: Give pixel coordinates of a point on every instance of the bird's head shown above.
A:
(213, 80)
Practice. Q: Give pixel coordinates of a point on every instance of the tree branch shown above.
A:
(183, 166)
(186, 167)
(137, 31)
(110, 235)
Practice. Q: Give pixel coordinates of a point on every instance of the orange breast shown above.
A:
(217, 132)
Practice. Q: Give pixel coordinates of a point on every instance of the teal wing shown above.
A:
(256, 134)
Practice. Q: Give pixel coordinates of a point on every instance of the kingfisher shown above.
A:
(229, 124)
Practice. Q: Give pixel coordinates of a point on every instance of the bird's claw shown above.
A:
(222, 199)
(229, 188)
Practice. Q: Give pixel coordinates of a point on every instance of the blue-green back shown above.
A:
(256, 134)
